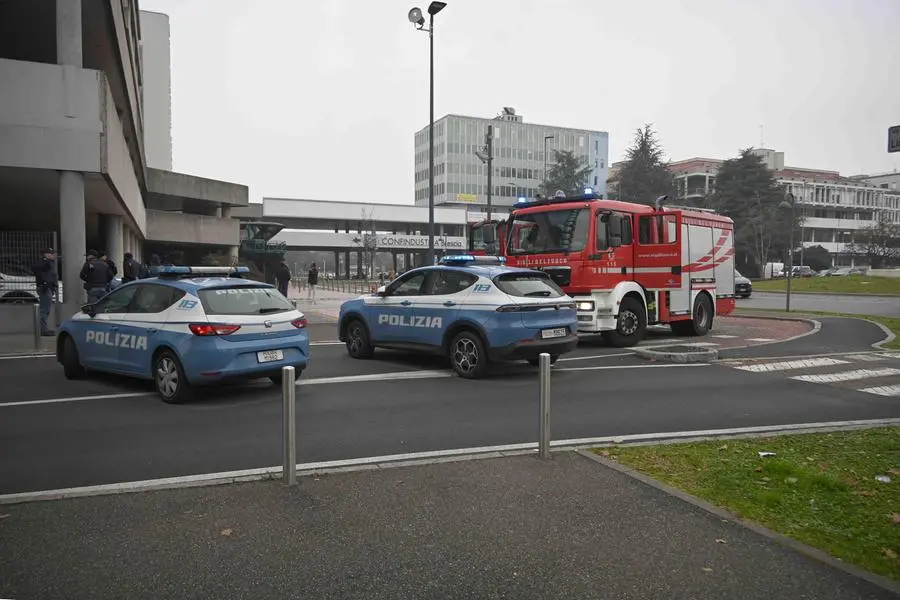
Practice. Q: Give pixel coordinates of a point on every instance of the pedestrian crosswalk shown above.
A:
(875, 373)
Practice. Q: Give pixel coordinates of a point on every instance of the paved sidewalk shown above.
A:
(327, 306)
(514, 527)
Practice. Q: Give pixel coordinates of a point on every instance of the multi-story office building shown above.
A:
(156, 59)
(74, 142)
(833, 207)
(522, 153)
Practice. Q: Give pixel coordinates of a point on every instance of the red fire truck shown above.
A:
(627, 265)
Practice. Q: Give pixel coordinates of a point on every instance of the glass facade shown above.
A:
(460, 177)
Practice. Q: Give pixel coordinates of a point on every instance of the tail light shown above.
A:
(299, 323)
(207, 329)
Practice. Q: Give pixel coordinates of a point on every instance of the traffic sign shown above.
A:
(894, 138)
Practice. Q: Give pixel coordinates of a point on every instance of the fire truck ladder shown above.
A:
(695, 208)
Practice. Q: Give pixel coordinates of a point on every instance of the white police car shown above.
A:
(188, 326)
(472, 309)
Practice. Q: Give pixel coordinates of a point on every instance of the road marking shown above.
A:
(394, 460)
(884, 390)
(760, 340)
(792, 364)
(687, 343)
(889, 354)
(593, 356)
(725, 337)
(865, 357)
(21, 356)
(74, 399)
(403, 375)
(610, 367)
(847, 375)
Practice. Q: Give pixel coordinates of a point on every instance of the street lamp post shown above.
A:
(792, 204)
(416, 18)
(546, 138)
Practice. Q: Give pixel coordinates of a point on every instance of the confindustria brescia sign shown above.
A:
(419, 241)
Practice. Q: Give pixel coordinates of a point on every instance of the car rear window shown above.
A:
(528, 285)
(244, 300)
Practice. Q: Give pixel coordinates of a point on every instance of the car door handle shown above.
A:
(449, 303)
(114, 327)
(151, 330)
(405, 303)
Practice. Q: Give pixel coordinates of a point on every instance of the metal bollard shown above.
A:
(289, 425)
(36, 325)
(544, 442)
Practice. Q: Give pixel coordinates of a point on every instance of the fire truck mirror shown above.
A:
(489, 233)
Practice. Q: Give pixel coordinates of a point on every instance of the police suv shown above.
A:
(187, 327)
(472, 309)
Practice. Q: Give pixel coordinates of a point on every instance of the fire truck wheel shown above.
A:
(700, 323)
(467, 355)
(631, 324)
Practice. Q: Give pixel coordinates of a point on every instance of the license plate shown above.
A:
(554, 333)
(269, 356)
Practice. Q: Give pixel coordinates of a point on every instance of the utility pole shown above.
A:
(486, 156)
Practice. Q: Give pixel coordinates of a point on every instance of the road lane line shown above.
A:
(883, 390)
(791, 364)
(74, 399)
(610, 367)
(397, 376)
(394, 460)
(595, 356)
(847, 375)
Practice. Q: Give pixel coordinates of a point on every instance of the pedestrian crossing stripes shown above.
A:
(840, 371)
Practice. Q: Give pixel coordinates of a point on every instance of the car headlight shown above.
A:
(586, 306)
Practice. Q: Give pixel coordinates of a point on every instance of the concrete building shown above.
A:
(156, 59)
(833, 207)
(74, 146)
(522, 152)
(886, 181)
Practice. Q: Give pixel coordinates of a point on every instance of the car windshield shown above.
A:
(549, 231)
(244, 300)
(528, 285)
(737, 273)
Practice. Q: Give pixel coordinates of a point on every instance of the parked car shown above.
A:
(743, 288)
(846, 271)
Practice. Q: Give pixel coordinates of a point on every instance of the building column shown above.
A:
(73, 239)
(394, 258)
(359, 262)
(234, 253)
(706, 192)
(337, 264)
(346, 264)
(226, 211)
(113, 237)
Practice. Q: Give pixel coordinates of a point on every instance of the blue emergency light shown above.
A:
(174, 272)
(460, 260)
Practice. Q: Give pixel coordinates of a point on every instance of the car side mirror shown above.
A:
(89, 309)
(489, 233)
(381, 291)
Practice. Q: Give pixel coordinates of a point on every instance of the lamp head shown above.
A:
(415, 17)
(436, 7)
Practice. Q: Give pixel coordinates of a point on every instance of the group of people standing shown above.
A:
(283, 280)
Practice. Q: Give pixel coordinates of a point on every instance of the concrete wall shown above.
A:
(168, 183)
(117, 164)
(193, 229)
(157, 91)
(50, 117)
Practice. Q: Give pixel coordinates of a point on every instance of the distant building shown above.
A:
(519, 159)
(833, 206)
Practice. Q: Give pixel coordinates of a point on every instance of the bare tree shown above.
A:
(879, 244)
(367, 241)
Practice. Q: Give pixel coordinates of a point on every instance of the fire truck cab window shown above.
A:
(657, 229)
(602, 230)
(550, 231)
(476, 242)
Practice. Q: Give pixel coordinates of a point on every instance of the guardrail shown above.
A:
(349, 286)
(289, 418)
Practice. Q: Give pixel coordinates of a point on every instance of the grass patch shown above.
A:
(892, 323)
(819, 489)
(853, 284)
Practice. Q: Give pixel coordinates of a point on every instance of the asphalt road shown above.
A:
(87, 439)
(882, 306)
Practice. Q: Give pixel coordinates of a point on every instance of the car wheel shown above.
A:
(71, 363)
(358, 344)
(168, 375)
(701, 319)
(631, 324)
(467, 355)
(537, 361)
(276, 377)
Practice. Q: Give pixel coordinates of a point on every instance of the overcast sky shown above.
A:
(320, 99)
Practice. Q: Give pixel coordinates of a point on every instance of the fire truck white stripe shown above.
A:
(792, 364)
(884, 390)
(847, 375)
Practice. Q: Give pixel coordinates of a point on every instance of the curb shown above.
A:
(877, 580)
(806, 293)
(890, 336)
(700, 354)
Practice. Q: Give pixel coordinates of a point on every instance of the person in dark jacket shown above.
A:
(46, 281)
(112, 268)
(312, 280)
(283, 278)
(96, 275)
(131, 270)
